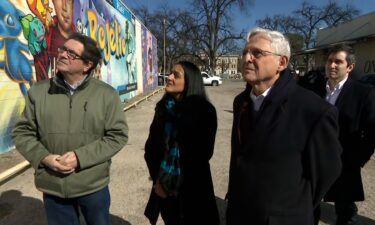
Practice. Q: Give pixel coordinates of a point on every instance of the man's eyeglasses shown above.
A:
(70, 53)
(258, 53)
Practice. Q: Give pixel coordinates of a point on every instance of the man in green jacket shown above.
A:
(71, 127)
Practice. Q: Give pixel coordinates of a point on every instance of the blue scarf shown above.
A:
(170, 174)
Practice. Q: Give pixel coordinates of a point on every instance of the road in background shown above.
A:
(21, 203)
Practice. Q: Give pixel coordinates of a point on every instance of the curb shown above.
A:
(15, 170)
(134, 104)
(9, 173)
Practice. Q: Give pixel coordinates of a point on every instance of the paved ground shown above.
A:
(20, 202)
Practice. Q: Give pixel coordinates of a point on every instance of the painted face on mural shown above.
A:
(64, 13)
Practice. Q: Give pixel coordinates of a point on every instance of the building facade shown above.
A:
(358, 33)
(227, 64)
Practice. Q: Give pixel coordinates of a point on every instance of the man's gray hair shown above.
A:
(279, 42)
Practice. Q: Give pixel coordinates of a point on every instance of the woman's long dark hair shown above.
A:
(193, 80)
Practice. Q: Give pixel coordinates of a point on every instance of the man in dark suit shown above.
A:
(356, 105)
(285, 147)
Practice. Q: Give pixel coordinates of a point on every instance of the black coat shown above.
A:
(290, 158)
(356, 106)
(196, 130)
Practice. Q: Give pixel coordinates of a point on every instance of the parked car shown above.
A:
(235, 76)
(162, 78)
(224, 76)
(209, 79)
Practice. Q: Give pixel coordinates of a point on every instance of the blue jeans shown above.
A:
(63, 211)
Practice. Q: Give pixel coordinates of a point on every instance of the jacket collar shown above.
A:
(284, 79)
(279, 90)
(58, 86)
(343, 91)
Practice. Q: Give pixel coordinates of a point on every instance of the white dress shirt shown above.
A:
(73, 87)
(258, 100)
(332, 95)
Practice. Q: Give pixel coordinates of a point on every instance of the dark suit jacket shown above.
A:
(290, 158)
(196, 130)
(356, 106)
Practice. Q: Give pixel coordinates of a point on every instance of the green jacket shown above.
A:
(90, 122)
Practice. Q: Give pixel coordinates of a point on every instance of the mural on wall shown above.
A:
(46, 27)
(15, 62)
(32, 30)
(16, 73)
(114, 30)
(149, 60)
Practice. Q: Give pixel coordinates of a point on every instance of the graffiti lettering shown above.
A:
(120, 7)
(108, 37)
(369, 66)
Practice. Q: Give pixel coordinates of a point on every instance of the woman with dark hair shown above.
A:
(178, 150)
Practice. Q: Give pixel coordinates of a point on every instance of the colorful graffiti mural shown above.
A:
(113, 29)
(32, 30)
(15, 62)
(149, 60)
(16, 74)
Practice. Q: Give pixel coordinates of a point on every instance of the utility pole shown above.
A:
(164, 53)
(209, 65)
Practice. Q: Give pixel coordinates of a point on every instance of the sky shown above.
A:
(259, 10)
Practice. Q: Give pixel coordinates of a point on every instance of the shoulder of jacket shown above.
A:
(40, 86)
(102, 85)
(242, 95)
(358, 90)
(205, 105)
(360, 86)
(309, 100)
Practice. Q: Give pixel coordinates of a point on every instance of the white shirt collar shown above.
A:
(73, 87)
(332, 96)
(337, 87)
(258, 100)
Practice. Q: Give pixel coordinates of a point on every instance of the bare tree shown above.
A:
(201, 34)
(336, 14)
(144, 15)
(308, 19)
(177, 26)
(296, 44)
(213, 31)
(278, 22)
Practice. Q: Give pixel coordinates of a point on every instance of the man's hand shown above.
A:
(52, 162)
(69, 159)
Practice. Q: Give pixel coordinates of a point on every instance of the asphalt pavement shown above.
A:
(21, 203)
